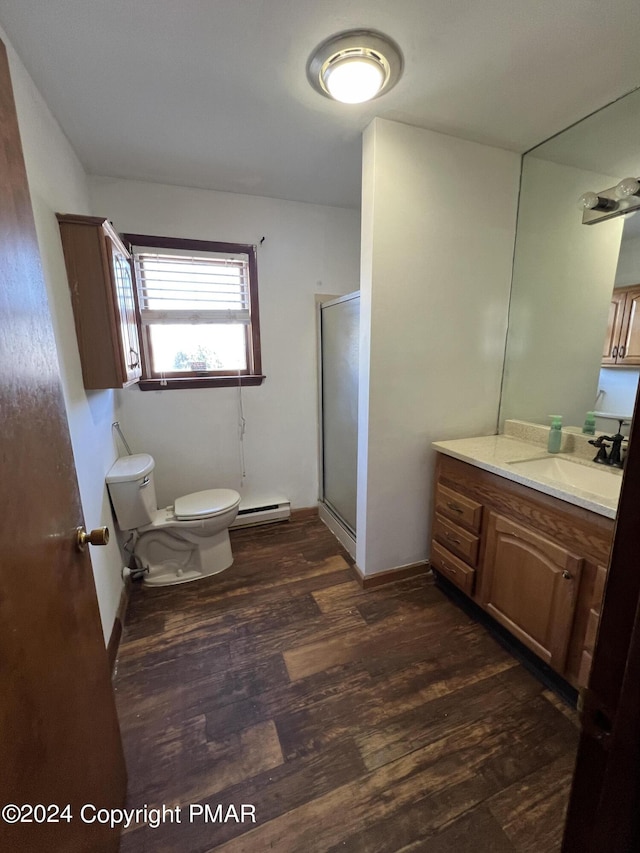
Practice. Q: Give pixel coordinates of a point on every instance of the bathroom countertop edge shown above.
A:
(492, 453)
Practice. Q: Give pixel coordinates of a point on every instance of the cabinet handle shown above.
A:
(621, 352)
(136, 359)
(567, 575)
(454, 507)
(447, 568)
(614, 352)
(452, 538)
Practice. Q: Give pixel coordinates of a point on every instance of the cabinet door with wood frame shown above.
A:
(614, 325)
(529, 585)
(103, 300)
(622, 341)
(629, 346)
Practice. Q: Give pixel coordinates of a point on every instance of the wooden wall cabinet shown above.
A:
(622, 341)
(103, 300)
(534, 563)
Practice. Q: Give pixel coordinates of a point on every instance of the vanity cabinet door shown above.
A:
(529, 584)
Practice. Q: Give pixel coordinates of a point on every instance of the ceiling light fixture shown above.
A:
(355, 66)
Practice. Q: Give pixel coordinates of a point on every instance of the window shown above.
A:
(198, 312)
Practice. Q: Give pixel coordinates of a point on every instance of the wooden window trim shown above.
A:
(253, 375)
(201, 382)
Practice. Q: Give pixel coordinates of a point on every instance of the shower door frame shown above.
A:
(340, 529)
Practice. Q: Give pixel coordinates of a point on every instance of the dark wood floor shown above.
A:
(374, 721)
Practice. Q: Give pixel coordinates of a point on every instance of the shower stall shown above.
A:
(338, 391)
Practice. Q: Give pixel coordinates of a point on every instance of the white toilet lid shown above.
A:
(205, 504)
(128, 469)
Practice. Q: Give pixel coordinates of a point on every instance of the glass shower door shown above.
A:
(339, 356)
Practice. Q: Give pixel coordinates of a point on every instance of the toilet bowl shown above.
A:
(179, 543)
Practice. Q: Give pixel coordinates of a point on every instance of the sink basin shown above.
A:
(598, 481)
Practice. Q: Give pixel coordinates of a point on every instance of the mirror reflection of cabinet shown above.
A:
(102, 296)
(622, 341)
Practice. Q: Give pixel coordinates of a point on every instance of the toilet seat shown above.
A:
(206, 504)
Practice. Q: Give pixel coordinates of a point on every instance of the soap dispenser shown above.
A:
(555, 434)
(589, 427)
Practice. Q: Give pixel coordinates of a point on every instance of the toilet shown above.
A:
(180, 543)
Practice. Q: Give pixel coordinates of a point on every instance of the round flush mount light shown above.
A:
(355, 66)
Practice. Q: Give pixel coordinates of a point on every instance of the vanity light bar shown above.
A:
(614, 201)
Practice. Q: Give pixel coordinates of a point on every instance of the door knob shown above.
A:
(99, 536)
(567, 575)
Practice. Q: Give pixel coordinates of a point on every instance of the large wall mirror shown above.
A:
(570, 281)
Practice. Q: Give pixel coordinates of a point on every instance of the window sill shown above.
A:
(200, 382)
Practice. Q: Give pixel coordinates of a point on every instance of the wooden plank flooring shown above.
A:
(370, 722)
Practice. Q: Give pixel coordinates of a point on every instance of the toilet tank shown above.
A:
(132, 490)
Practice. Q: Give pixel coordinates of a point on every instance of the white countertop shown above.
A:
(494, 453)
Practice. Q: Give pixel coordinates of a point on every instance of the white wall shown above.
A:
(193, 434)
(58, 182)
(438, 228)
(562, 281)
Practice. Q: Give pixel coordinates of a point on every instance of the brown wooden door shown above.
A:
(604, 809)
(614, 324)
(60, 742)
(529, 585)
(629, 345)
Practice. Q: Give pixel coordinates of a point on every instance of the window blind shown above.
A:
(176, 287)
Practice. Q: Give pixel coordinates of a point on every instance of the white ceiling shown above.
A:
(213, 93)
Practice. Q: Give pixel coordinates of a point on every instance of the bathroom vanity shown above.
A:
(530, 550)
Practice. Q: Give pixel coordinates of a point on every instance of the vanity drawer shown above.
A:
(461, 509)
(455, 539)
(452, 568)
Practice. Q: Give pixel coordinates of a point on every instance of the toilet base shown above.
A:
(167, 574)
(172, 560)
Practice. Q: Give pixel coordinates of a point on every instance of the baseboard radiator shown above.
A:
(263, 511)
